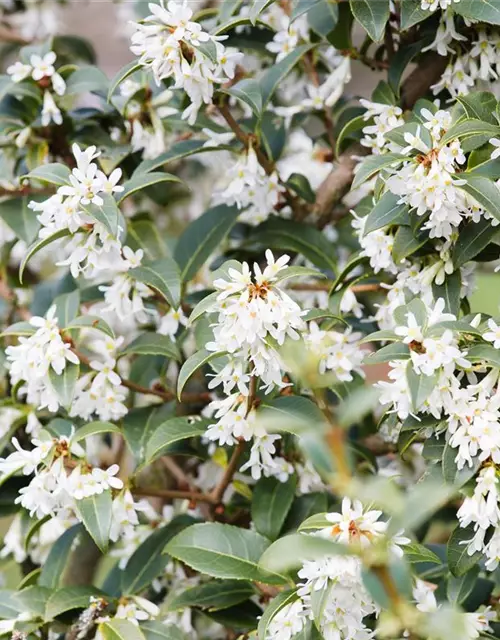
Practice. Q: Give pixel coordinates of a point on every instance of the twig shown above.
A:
(336, 440)
(174, 494)
(326, 286)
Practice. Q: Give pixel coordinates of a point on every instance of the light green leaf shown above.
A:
(205, 305)
(192, 364)
(214, 595)
(53, 173)
(420, 386)
(248, 91)
(122, 75)
(258, 7)
(412, 13)
(373, 164)
(90, 322)
(54, 565)
(94, 429)
(485, 192)
(145, 235)
(154, 630)
(372, 15)
(19, 329)
(38, 246)
(282, 600)
(459, 560)
(163, 276)
(120, 629)
(415, 552)
(67, 306)
(153, 344)
(64, 383)
(223, 551)
(271, 503)
(323, 17)
(406, 242)
(69, 598)
(33, 599)
(291, 414)
(458, 589)
(473, 238)
(95, 513)
(485, 353)
(387, 211)
(290, 552)
(141, 181)
(395, 351)
(202, 237)
(484, 11)
(22, 220)
(107, 214)
(472, 133)
(171, 431)
(87, 80)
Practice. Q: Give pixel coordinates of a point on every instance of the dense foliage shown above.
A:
(244, 393)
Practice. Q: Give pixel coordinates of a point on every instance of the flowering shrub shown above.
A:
(244, 393)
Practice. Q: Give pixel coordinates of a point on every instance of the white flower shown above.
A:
(43, 67)
(493, 335)
(496, 152)
(19, 71)
(50, 111)
(171, 321)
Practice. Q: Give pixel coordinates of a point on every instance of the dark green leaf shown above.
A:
(107, 214)
(163, 276)
(38, 246)
(406, 242)
(67, 306)
(213, 595)
(273, 77)
(54, 565)
(192, 364)
(174, 430)
(140, 181)
(372, 15)
(387, 211)
(68, 598)
(373, 164)
(122, 75)
(271, 502)
(87, 79)
(153, 344)
(459, 560)
(95, 513)
(64, 383)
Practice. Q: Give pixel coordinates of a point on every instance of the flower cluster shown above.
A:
(173, 46)
(386, 117)
(35, 356)
(41, 70)
(346, 601)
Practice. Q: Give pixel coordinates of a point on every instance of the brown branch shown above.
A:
(164, 395)
(8, 35)
(418, 83)
(174, 494)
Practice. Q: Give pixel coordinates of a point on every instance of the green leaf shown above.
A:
(120, 629)
(323, 16)
(450, 292)
(249, 92)
(122, 75)
(163, 276)
(472, 133)
(154, 630)
(67, 306)
(373, 164)
(271, 503)
(90, 322)
(38, 246)
(69, 598)
(94, 429)
(290, 552)
(451, 473)
(291, 414)
(53, 173)
(192, 364)
(372, 15)
(415, 552)
(222, 551)
(273, 77)
(288, 235)
(178, 151)
(420, 386)
(395, 351)
(205, 305)
(107, 214)
(140, 422)
(214, 595)
(387, 211)
(141, 181)
(19, 329)
(473, 238)
(55, 563)
(485, 11)
(87, 80)
(148, 561)
(145, 235)
(484, 191)
(202, 237)
(174, 430)
(22, 220)
(257, 7)
(273, 608)
(153, 344)
(400, 61)
(406, 242)
(459, 589)
(95, 513)
(480, 105)
(486, 353)
(412, 13)
(33, 599)
(459, 560)
(302, 187)
(353, 126)
(64, 383)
